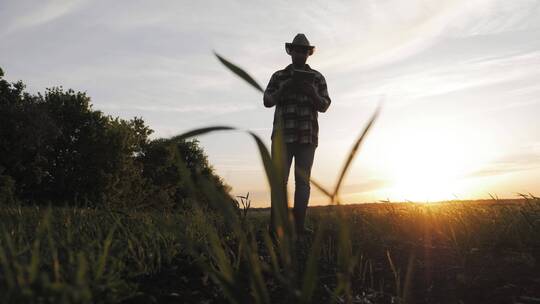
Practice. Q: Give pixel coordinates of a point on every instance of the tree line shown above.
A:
(55, 149)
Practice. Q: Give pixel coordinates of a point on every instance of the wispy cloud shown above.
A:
(527, 158)
(23, 15)
(499, 16)
(440, 72)
(363, 187)
(395, 30)
(480, 72)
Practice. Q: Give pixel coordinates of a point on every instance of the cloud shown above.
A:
(363, 187)
(395, 30)
(480, 72)
(24, 15)
(502, 63)
(526, 159)
(499, 16)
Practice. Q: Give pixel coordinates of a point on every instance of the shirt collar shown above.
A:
(290, 67)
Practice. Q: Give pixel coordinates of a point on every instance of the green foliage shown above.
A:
(177, 170)
(67, 255)
(55, 149)
(92, 157)
(7, 189)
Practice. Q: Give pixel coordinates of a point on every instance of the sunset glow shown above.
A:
(431, 165)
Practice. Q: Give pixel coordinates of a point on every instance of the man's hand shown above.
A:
(309, 90)
(286, 86)
(272, 99)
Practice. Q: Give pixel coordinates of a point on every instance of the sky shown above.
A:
(458, 80)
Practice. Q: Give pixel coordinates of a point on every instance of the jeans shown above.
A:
(303, 155)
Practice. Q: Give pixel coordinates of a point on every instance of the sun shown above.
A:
(431, 165)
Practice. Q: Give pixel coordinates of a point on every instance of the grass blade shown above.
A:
(353, 152)
(265, 157)
(239, 72)
(310, 275)
(201, 131)
(275, 176)
(260, 291)
(315, 183)
(8, 275)
(102, 261)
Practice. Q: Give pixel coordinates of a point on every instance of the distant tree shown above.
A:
(93, 160)
(27, 134)
(54, 148)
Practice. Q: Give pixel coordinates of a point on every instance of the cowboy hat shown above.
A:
(301, 41)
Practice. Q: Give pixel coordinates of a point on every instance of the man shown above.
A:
(299, 93)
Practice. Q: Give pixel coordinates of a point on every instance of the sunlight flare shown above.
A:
(432, 165)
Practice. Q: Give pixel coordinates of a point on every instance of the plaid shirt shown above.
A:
(298, 113)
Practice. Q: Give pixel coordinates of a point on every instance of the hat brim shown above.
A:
(289, 45)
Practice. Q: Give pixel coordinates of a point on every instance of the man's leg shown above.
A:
(287, 160)
(303, 162)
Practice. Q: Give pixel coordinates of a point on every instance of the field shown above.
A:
(452, 252)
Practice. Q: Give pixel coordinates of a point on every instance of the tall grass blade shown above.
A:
(9, 276)
(317, 185)
(266, 158)
(224, 271)
(201, 131)
(54, 253)
(395, 272)
(273, 257)
(34, 261)
(407, 286)
(275, 175)
(353, 152)
(103, 257)
(257, 279)
(82, 268)
(239, 72)
(346, 260)
(310, 274)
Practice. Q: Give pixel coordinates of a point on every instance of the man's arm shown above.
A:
(269, 99)
(324, 100)
(274, 91)
(322, 103)
(318, 93)
(271, 94)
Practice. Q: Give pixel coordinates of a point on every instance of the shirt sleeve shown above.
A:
(322, 90)
(271, 88)
(273, 85)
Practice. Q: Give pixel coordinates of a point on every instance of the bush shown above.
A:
(54, 148)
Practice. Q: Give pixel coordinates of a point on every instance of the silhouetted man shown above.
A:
(299, 93)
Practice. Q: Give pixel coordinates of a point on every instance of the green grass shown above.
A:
(65, 255)
(474, 252)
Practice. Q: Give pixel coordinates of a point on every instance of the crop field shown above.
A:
(452, 252)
